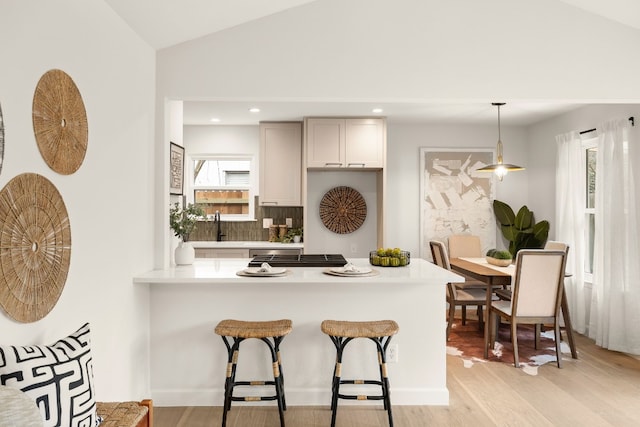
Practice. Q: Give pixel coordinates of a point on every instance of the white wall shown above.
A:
(410, 49)
(320, 240)
(403, 164)
(107, 199)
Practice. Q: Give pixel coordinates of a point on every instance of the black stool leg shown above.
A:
(233, 352)
(277, 341)
(277, 378)
(382, 343)
(340, 344)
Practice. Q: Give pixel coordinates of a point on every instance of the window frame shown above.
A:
(588, 142)
(252, 188)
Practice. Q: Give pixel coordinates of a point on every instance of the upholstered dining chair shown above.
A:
(537, 294)
(458, 296)
(465, 245)
(551, 245)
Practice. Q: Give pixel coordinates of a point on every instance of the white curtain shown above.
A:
(615, 309)
(570, 221)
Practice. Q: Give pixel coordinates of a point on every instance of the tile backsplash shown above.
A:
(248, 230)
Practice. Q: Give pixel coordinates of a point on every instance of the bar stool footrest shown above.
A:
(359, 397)
(252, 398)
(361, 382)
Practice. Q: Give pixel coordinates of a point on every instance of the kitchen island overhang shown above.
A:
(187, 360)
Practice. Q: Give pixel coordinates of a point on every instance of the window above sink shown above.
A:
(224, 184)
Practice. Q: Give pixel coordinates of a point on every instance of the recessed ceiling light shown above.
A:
(254, 110)
(215, 119)
(377, 110)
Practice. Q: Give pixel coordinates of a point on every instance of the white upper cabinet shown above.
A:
(345, 143)
(280, 164)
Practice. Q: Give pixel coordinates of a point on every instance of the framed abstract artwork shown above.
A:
(454, 197)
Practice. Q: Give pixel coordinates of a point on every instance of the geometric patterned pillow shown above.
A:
(58, 377)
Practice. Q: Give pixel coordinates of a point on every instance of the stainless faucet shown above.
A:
(216, 219)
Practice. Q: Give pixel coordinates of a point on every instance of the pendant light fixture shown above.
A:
(500, 168)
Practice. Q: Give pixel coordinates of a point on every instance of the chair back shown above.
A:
(538, 285)
(552, 245)
(439, 254)
(465, 245)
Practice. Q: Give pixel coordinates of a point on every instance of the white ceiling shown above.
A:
(155, 21)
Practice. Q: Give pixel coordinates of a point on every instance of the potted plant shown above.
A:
(294, 235)
(520, 229)
(498, 257)
(183, 221)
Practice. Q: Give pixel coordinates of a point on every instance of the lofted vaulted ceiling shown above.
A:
(165, 23)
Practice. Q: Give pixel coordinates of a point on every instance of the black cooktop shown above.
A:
(301, 260)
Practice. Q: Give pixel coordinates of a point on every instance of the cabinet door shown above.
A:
(325, 143)
(365, 143)
(280, 164)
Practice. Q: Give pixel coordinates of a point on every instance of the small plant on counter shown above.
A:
(291, 234)
(183, 221)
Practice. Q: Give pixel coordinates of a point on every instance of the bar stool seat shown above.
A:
(343, 332)
(271, 332)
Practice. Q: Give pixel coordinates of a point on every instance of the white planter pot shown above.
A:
(184, 254)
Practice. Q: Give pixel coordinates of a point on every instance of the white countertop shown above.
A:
(223, 270)
(244, 244)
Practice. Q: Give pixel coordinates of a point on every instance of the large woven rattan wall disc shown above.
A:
(343, 210)
(35, 247)
(60, 122)
(1, 139)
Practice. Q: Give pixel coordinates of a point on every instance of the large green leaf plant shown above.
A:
(183, 221)
(520, 229)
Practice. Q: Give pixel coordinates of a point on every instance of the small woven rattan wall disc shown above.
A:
(1, 139)
(35, 247)
(343, 210)
(60, 122)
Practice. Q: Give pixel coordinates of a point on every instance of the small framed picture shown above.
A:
(176, 169)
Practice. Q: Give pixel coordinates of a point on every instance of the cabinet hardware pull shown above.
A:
(333, 164)
(268, 203)
(356, 164)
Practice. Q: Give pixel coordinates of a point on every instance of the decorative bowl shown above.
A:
(398, 259)
(499, 262)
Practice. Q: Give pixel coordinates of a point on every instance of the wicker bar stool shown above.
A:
(341, 334)
(233, 332)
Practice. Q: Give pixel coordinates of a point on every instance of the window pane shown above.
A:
(590, 233)
(228, 202)
(591, 177)
(221, 173)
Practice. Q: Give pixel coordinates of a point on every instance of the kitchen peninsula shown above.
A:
(188, 360)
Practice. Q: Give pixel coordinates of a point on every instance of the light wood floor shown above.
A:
(601, 388)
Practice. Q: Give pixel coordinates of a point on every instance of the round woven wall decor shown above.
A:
(60, 122)
(1, 140)
(343, 210)
(35, 247)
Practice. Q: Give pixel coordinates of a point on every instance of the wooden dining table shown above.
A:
(495, 277)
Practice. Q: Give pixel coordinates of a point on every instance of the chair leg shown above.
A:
(480, 318)
(538, 331)
(558, 343)
(464, 315)
(492, 318)
(452, 311)
(514, 343)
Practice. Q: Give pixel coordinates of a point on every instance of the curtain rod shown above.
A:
(631, 119)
